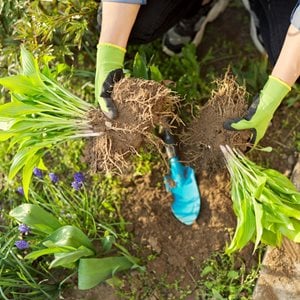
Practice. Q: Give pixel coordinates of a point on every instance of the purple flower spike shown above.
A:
(21, 244)
(38, 172)
(23, 228)
(76, 185)
(53, 177)
(79, 177)
(20, 191)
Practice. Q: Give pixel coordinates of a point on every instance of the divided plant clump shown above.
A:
(43, 114)
(266, 203)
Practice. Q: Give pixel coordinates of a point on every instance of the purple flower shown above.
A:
(21, 244)
(23, 228)
(79, 177)
(76, 185)
(38, 172)
(20, 191)
(53, 177)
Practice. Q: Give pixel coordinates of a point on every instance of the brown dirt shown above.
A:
(142, 105)
(202, 139)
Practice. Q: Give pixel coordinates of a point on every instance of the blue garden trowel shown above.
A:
(181, 182)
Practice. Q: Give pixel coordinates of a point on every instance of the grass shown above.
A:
(20, 280)
(227, 277)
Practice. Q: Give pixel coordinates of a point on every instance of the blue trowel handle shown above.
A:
(170, 144)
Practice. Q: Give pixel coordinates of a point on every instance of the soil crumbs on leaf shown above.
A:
(142, 105)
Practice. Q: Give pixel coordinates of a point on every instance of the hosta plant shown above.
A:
(40, 115)
(266, 203)
(70, 246)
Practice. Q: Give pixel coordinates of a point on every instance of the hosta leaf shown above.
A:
(22, 84)
(18, 163)
(17, 108)
(5, 135)
(260, 185)
(35, 217)
(5, 123)
(271, 238)
(31, 163)
(28, 62)
(293, 235)
(69, 258)
(245, 228)
(279, 182)
(70, 236)
(140, 69)
(155, 73)
(92, 271)
(258, 212)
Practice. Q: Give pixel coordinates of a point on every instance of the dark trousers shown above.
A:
(274, 20)
(158, 16)
(155, 18)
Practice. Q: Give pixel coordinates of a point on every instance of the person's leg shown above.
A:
(272, 19)
(155, 18)
(191, 28)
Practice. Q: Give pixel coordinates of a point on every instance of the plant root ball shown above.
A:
(142, 105)
(203, 136)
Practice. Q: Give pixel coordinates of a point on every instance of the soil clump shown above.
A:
(200, 142)
(142, 105)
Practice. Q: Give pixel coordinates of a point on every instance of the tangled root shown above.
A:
(202, 139)
(142, 105)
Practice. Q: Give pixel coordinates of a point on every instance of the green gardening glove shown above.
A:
(109, 67)
(261, 111)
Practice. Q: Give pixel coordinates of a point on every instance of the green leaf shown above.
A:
(244, 229)
(4, 136)
(258, 212)
(70, 236)
(69, 258)
(92, 271)
(36, 217)
(18, 162)
(260, 185)
(293, 235)
(107, 242)
(140, 69)
(31, 162)
(155, 73)
(233, 274)
(23, 84)
(17, 108)
(29, 64)
(47, 251)
(270, 238)
(278, 181)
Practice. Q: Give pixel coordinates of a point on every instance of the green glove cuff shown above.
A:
(109, 57)
(272, 94)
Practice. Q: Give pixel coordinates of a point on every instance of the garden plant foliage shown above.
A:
(266, 203)
(70, 246)
(41, 114)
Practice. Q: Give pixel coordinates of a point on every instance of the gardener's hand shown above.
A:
(110, 60)
(261, 111)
